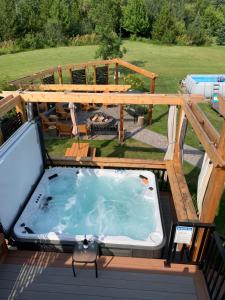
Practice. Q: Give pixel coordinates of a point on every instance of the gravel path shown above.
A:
(191, 155)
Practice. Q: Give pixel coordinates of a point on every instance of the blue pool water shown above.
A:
(210, 78)
(100, 202)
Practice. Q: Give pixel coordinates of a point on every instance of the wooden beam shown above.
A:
(221, 105)
(1, 137)
(40, 74)
(213, 195)
(88, 64)
(20, 108)
(181, 196)
(104, 98)
(208, 145)
(117, 73)
(212, 133)
(177, 150)
(37, 75)
(76, 87)
(121, 129)
(94, 75)
(215, 187)
(110, 162)
(6, 106)
(60, 75)
(136, 69)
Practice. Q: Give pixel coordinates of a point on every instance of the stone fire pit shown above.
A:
(100, 123)
(100, 119)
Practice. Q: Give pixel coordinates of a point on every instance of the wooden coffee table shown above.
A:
(86, 256)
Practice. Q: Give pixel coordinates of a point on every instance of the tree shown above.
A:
(196, 32)
(110, 45)
(212, 19)
(7, 19)
(104, 14)
(220, 34)
(164, 27)
(135, 18)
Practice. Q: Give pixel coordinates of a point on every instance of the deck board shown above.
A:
(34, 275)
(28, 280)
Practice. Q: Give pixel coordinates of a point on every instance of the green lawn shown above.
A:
(130, 149)
(171, 63)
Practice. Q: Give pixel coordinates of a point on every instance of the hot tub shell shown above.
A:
(109, 245)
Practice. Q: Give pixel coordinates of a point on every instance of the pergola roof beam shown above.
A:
(76, 87)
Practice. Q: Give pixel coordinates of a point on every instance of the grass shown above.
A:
(130, 149)
(171, 63)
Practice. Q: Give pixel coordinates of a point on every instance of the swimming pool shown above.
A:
(118, 208)
(205, 85)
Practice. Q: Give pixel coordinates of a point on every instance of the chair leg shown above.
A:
(73, 267)
(96, 269)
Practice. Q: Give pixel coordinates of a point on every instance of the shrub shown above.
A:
(82, 40)
(7, 47)
(32, 41)
(135, 82)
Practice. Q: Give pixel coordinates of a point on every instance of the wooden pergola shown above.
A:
(35, 82)
(212, 142)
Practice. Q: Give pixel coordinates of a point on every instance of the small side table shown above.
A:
(82, 255)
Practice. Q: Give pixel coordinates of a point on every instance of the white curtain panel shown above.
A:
(172, 121)
(73, 118)
(182, 134)
(203, 180)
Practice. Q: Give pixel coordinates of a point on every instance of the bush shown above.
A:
(135, 82)
(82, 40)
(9, 46)
(32, 41)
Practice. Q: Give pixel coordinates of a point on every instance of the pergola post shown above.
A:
(215, 187)
(20, 108)
(121, 129)
(117, 74)
(180, 136)
(213, 192)
(71, 75)
(94, 74)
(150, 107)
(60, 75)
(1, 137)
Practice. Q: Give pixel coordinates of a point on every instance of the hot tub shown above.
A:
(118, 208)
(206, 85)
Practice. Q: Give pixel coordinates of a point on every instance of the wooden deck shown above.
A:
(46, 275)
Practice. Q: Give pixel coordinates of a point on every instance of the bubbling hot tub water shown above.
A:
(111, 206)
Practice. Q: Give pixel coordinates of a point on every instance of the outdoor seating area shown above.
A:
(141, 211)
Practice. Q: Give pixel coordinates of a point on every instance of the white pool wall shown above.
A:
(203, 88)
(154, 240)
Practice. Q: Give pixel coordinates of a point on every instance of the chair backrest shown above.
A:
(43, 118)
(64, 128)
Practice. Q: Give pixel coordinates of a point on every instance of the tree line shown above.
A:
(48, 23)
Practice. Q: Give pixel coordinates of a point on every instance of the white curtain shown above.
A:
(182, 134)
(172, 122)
(73, 118)
(29, 108)
(203, 180)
